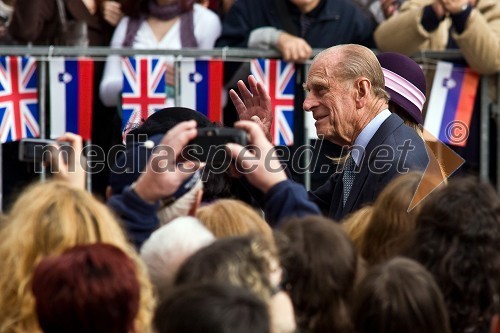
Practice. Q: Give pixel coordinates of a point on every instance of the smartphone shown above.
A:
(209, 144)
(40, 150)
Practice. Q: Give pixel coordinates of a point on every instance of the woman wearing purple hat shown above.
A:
(406, 85)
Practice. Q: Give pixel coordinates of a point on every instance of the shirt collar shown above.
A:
(367, 134)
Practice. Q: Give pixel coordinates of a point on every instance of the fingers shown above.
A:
(180, 135)
(170, 75)
(293, 48)
(242, 155)
(245, 93)
(112, 12)
(74, 139)
(255, 133)
(238, 103)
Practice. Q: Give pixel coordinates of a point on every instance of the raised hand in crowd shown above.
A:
(293, 48)
(254, 104)
(71, 170)
(452, 7)
(258, 164)
(170, 75)
(164, 174)
(112, 12)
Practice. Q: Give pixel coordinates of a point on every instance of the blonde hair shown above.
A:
(47, 219)
(355, 225)
(229, 217)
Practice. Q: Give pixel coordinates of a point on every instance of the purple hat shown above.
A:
(405, 83)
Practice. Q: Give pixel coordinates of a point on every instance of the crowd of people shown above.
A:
(168, 244)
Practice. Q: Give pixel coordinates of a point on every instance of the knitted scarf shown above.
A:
(166, 13)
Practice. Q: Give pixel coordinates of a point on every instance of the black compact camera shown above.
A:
(209, 144)
(40, 150)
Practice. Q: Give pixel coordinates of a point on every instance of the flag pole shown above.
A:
(42, 104)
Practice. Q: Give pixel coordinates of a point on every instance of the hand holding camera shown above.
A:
(64, 156)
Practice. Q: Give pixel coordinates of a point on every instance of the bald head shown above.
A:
(351, 61)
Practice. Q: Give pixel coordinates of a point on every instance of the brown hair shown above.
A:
(391, 222)
(356, 223)
(240, 261)
(399, 296)
(320, 273)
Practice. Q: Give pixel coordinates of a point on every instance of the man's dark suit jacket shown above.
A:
(394, 149)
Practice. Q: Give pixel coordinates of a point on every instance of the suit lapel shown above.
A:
(387, 128)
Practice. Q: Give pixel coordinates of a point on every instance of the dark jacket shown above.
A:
(406, 151)
(138, 217)
(37, 21)
(332, 22)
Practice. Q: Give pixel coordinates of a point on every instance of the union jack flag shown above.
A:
(18, 99)
(278, 78)
(144, 89)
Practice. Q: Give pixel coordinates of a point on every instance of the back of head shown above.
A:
(320, 271)
(399, 296)
(240, 261)
(214, 308)
(89, 288)
(228, 217)
(168, 247)
(216, 184)
(356, 223)
(458, 240)
(47, 219)
(391, 222)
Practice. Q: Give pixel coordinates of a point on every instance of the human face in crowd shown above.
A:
(331, 100)
(305, 6)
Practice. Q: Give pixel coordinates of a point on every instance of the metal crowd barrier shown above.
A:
(490, 106)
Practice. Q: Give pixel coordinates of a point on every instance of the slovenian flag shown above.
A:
(202, 86)
(71, 93)
(451, 103)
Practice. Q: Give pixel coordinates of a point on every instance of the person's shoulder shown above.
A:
(201, 12)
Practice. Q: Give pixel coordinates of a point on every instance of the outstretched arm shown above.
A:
(254, 104)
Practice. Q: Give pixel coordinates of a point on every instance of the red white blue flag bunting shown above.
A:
(202, 86)
(278, 78)
(144, 89)
(71, 96)
(18, 99)
(451, 103)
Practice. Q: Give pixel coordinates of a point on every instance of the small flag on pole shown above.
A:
(278, 78)
(71, 96)
(202, 87)
(18, 99)
(451, 103)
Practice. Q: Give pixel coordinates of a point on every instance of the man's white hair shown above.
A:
(168, 248)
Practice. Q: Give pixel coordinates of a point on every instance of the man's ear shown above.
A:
(495, 324)
(363, 90)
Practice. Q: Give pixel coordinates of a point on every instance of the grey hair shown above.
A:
(168, 247)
